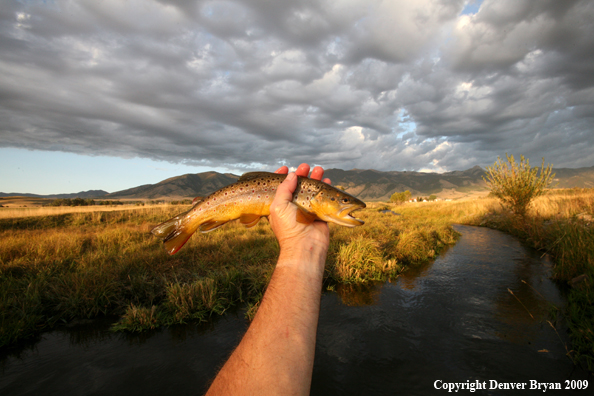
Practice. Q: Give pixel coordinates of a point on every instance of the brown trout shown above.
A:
(249, 199)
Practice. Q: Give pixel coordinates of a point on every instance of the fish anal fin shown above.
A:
(174, 243)
(249, 220)
(211, 225)
(304, 217)
(174, 232)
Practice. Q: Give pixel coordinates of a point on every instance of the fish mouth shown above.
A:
(345, 216)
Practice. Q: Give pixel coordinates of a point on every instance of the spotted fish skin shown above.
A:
(249, 199)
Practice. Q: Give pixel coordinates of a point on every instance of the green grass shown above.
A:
(58, 268)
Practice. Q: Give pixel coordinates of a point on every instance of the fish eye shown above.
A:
(345, 200)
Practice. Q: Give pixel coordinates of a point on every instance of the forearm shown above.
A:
(276, 354)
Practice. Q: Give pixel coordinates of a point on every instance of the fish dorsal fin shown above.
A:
(211, 225)
(253, 175)
(304, 217)
(249, 220)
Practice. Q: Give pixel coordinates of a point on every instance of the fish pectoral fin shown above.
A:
(211, 225)
(249, 220)
(304, 217)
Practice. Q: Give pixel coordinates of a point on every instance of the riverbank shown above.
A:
(59, 268)
(561, 224)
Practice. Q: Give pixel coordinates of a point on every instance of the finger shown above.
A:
(302, 170)
(317, 173)
(327, 181)
(283, 170)
(284, 191)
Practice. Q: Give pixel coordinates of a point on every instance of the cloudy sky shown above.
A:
(114, 94)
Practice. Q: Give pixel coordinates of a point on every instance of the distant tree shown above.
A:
(432, 197)
(400, 197)
(516, 184)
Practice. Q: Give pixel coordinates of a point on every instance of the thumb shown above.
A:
(284, 192)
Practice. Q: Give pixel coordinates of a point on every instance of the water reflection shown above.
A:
(358, 295)
(452, 320)
(409, 279)
(521, 304)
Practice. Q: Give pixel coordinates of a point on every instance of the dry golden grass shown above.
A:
(19, 202)
(566, 203)
(13, 213)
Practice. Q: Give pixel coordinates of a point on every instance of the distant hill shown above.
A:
(186, 186)
(578, 177)
(372, 185)
(82, 194)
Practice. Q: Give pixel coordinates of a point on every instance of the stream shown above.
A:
(451, 321)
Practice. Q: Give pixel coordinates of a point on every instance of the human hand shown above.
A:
(294, 237)
(303, 170)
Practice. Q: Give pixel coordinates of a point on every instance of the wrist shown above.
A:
(306, 258)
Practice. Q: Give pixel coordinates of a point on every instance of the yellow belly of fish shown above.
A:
(247, 208)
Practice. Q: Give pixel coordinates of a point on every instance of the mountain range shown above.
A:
(186, 186)
(82, 194)
(366, 184)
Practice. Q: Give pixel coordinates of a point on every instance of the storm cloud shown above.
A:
(247, 84)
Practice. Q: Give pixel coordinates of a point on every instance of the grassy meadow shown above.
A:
(58, 267)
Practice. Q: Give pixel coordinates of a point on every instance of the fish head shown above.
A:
(335, 206)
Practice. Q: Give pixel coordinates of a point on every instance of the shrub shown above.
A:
(400, 197)
(516, 184)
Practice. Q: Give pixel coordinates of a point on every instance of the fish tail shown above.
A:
(174, 232)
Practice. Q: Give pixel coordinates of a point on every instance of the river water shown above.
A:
(451, 321)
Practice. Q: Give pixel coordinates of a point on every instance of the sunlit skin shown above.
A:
(275, 356)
